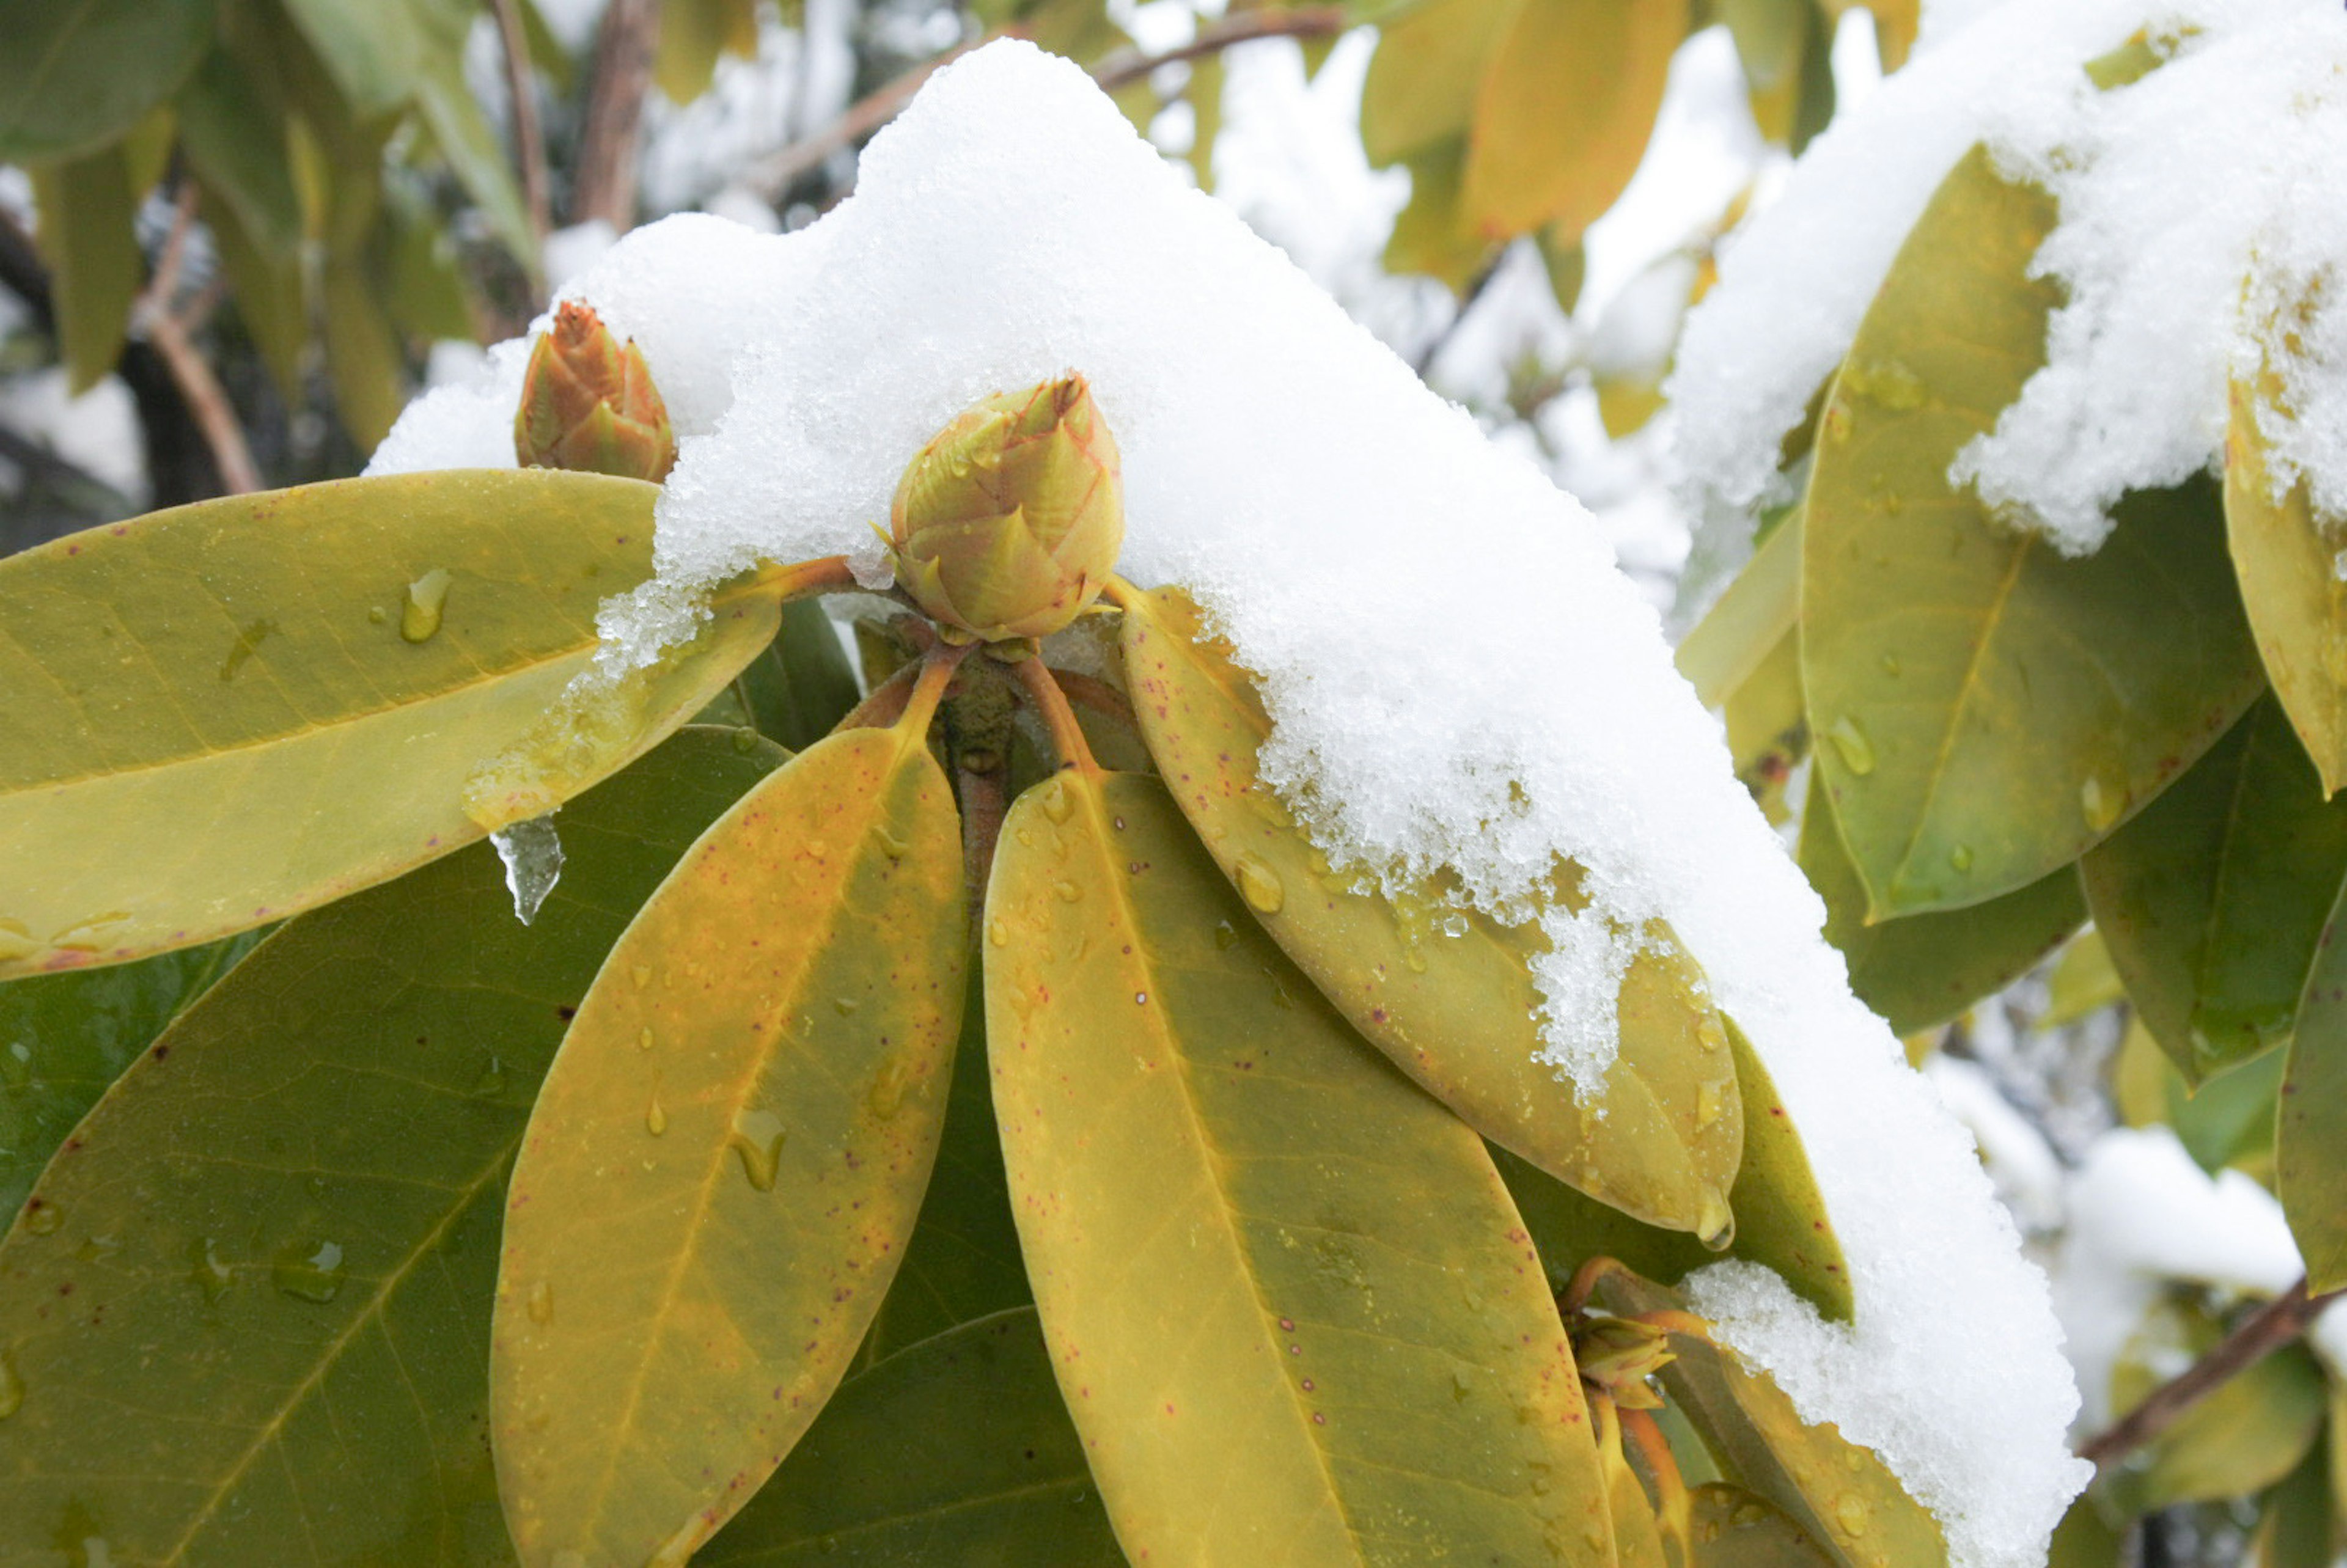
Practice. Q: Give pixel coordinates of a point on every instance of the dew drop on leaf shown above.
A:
(42, 1219)
(419, 617)
(1961, 857)
(656, 1117)
(2102, 799)
(206, 1271)
(1259, 885)
(310, 1271)
(757, 1138)
(1849, 743)
(541, 1303)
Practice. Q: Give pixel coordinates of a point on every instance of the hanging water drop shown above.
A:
(207, 1272)
(757, 1138)
(887, 1095)
(997, 933)
(310, 1271)
(656, 1116)
(1056, 804)
(419, 617)
(1961, 857)
(2102, 801)
(532, 852)
(541, 1303)
(1849, 743)
(1259, 885)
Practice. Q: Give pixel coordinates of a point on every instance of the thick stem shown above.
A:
(799, 579)
(1051, 704)
(1311, 21)
(529, 142)
(886, 705)
(1673, 1506)
(207, 401)
(1585, 1281)
(605, 183)
(2270, 1327)
(1098, 695)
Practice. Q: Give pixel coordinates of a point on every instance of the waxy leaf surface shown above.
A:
(1918, 970)
(956, 1450)
(1292, 1310)
(1985, 710)
(248, 1322)
(2310, 1131)
(226, 712)
(2211, 902)
(1732, 1528)
(1458, 1014)
(728, 1155)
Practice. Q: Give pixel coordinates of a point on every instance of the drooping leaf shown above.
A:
(1566, 101)
(248, 1321)
(234, 137)
(64, 1038)
(1292, 1310)
(362, 352)
(2287, 565)
(727, 1157)
(261, 702)
(956, 1451)
(1781, 1221)
(1919, 970)
(1733, 1528)
(2084, 981)
(1772, 37)
(1204, 95)
(1768, 721)
(692, 35)
(1432, 235)
(79, 74)
(83, 208)
(1896, 23)
(469, 143)
(424, 286)
(1986, 708)
(1459, 1013)
(1740, 634)
(270, 296)
(1422, 81)
(800, 686)
(2227, 1119)
(2212, 900)
(2311, 1131)
(1840, 1495)
(2294, 1518)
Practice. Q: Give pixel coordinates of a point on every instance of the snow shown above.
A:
(1358, 539)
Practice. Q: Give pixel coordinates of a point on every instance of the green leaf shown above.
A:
(1285, 1293)
(1733, 1528)
(1987, 709)
(64, 1038)
(234, 137)
(83, 208)
(1920, 971)
(2294, 1518)
(2211, 901)
(1840, 1495)
(2084, 981)
(1419, 94)
(1740, 634)
(1566, 101)
(278, 1233)
(1767, 722)
(1204, 95)
(362, 351)
(2310, 1132)
(800, 686)
(2084, 1540)
(221, 697)
(692, 35)
(2226, 1120)
(2286, 560)
(2247, 1434)
(375, 51)
(467, 141)
(1460, 1013)
(955, 1452)
(1432, 235)
(424, 288)
(272, 296)
(1781, 1221)
(728, 1155)
(77, 73)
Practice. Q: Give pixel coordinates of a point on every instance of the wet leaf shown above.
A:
(1780, 1219)
(1732, 1528)
(1422, 81)
(88, 239)
(231, 697)
(1973, 691)
(1566, 101)
(2287, 562)
(253, 1328)
(1287, 1298)
(727, 1157)
(1923, 969)
(1837, 1492)
(956, 1450)
(1457, 1012)
(80, 73)
(2212, 900)
(2311, 1131)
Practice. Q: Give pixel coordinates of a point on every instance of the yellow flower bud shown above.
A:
(1619, 1355)
(1010, 521)
(587, 404)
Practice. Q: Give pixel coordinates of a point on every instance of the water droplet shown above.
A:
(1412, 956)
(758, 1138)
(655, 1116)
(1708, 1104)
(88, 936)
(1454, 924)
(43, 1218)
(1852, 1514)
(1715, 1223)
(492, 1080)
(541, 1303)
(644, 1037)
(2104, 801)
(255, 634)
(643, 975)
(1961, 856)
(310, 1271)
(532, 852)
(206, 1271)
(1710, 1033)
(375, 616)
(1850, 742)
(1227, 936)
(1056, 804)
(1259, 885)
(11, 1386)
(98, 1248)
(1141, 999)
(1067, 892)
(1891, 665)
(15, 939)
(887, 1095)
(998, 933)
(419, 617)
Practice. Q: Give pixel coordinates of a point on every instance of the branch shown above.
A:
(529, 142)
(605, 184)
(775, 173)
(2273, 1325)
(214, 415)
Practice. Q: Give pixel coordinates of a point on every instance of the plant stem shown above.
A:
(799, 579)
(605, 183)
(1051, 705)
(1312, 21)
(1585, 1281)
(529, 142)
(1673, 1506)
(2270, 1327)
(1098, 695)
(206, 403)
(886, 703)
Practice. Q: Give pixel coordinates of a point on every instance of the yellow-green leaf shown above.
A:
(1565, 103)
(2294, 1520)
(2311, 1131)
(1750, 621)
(224, 714)
(2249, 1434)
(692, 35)
(957, 1451)
(1432, 235)
(2084, 1540)
(84, 208)
(78, 72)
(1732, 1528)
(362, 351)
(1459, 1013)
(1985, 709)
(233, 134)
(2084, 981)
(1919, 970)
(1637, 1534)
(270, 296)
(1839, 1493)
(2287, 563)
(1896, 23)
(1768, 721)
(1293, 1314)
(2211, 901)
(1420, 89)
(727, 1157)
(247, 1323)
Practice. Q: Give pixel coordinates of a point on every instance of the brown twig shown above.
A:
(605, 183)
(2270, 1327)
(779, 171)
(529, 142)
(207, 401)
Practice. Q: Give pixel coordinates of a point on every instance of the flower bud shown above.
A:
(1010, 521)
(587, 404)
(1619, 1355)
